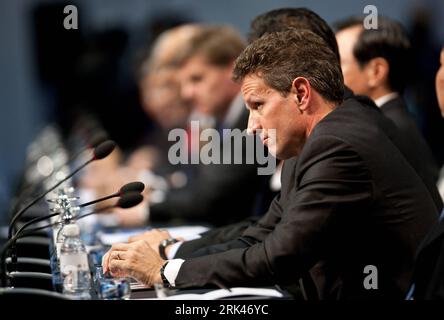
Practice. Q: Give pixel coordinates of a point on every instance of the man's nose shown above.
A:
(187, 92)
(253, 124)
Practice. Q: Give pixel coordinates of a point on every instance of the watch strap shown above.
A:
(162, 246)
(165, 281)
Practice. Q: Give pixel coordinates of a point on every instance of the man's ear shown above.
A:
(301, 92)
(377, 72)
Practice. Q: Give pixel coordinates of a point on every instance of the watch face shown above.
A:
(167, 242)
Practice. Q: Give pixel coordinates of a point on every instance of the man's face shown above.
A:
(440, 83)
(355, 77)
(269, 110)
(208, 88)
(161, 99)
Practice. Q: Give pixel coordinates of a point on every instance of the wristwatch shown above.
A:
(166, 283)
(162, 246)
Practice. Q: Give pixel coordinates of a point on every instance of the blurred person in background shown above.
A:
(374, 63)
(218, 193)
(439, 84)
(161, 101)
(160, 96)
(428, 278)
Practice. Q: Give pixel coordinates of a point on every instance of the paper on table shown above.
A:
(186, 232)
(224, 293)
(138, 286)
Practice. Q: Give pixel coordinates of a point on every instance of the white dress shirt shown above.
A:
(386, 98)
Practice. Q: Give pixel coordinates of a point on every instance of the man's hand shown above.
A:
(136, 260)
(154, 238)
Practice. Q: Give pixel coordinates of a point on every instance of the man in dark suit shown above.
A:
(279, 20)
(374, 64)
(429, 269)
(344, 205)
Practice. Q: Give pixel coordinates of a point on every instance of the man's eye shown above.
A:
(257, 105)
(196, 78)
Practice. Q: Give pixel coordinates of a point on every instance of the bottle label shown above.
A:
(58, 247)
(72, 262)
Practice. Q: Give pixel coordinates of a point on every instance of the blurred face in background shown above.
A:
(440, 83)
(355, 77)
(160, 95)
(208, 88)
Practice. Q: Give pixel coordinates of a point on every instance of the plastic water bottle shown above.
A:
(59, 239)
(57, 279)
(74, 264)
(98, 278)
(109, 288)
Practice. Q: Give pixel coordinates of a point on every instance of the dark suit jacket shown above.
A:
(216, 240)
(419, 152)
(429, 267)
(220, 239)
(350, 200)
(219, 194)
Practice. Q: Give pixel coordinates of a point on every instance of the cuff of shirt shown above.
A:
(173, 250)
(172, 270)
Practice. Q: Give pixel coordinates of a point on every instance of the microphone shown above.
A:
(132, 186)
(129, 200)
(96, 139)
(129, 187)
(100, 152)
(103, 150)
(126, 201)
(127, 192)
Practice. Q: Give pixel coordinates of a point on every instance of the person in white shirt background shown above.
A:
(375, 63)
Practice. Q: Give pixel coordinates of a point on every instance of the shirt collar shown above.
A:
(386, 98)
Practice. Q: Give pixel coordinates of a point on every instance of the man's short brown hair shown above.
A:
(219, 45)
(280, 57)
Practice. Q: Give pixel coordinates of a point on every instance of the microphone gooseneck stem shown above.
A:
(35, 220)
(22, 211)
(22, 232)
(99, 200)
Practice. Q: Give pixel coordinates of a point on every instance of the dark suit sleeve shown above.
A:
(214, 237)
(237, 235)
(333, 181)
(258, 231)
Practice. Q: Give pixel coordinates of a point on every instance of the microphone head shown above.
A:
(97, 139)
(136, 186)
(129, 200)
(104, 149)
